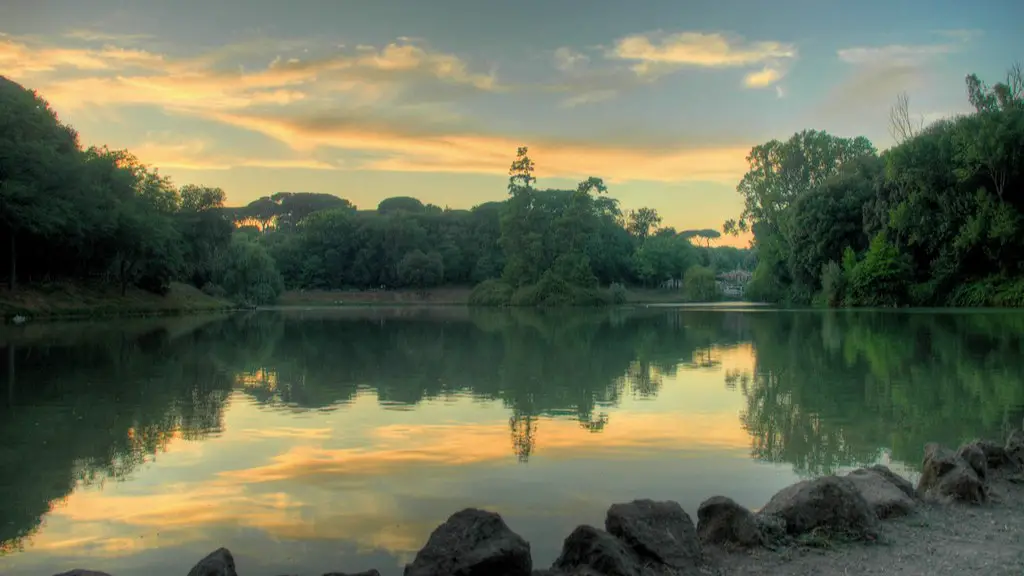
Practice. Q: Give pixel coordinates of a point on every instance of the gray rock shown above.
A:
(829, 503)
(721, 520)
(1015, 447)
(883, 496)
(82, 572)
(659, 531)
(220, 562)
(895, 479)
(364, 573)
(772, 527)
(975, 458)
(945, 477)
(473, 543)
(596, 551)
(995, 454)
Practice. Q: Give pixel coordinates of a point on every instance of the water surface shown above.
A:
(315, 440)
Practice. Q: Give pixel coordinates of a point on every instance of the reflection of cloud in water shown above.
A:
(384, 495)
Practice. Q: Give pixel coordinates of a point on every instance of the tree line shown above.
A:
(936, 220)
(97, 214)
(550, 246)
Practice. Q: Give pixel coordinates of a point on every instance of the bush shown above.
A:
(211, 289)
(699, 284)
(491, 293)
(617, 294)
(833, 284)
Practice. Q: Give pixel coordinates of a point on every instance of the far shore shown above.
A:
(444, 296)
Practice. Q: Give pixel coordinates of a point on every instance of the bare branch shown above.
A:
(901, 126)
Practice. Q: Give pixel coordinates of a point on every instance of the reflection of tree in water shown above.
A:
(835, 389)
(538, 364)
(94, 405)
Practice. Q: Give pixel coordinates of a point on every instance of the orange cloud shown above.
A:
(763, 78)
(408, 147)
(194, 154)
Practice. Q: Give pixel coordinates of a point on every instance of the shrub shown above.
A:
(491, 293)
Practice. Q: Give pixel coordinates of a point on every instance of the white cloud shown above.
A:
(656, 52)
(894, 54)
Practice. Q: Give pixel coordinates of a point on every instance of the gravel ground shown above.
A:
(937, 540)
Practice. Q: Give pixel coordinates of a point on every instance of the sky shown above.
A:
(368, 99)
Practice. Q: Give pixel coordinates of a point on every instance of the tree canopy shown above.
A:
(935, 220)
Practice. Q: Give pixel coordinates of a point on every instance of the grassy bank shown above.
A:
(453, 295)
(68, 300)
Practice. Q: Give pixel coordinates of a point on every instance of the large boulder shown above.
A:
(82, 572)
(472, 542)
(895, 479)
(1015, 448)
(589, 550)
(995, 454)
(721, 520)
(975, 458)
(945, 477)
(884, 496)
(220, 562)
(658, 531)
(828, 503)
(363, 573)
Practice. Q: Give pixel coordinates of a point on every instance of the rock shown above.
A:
(721, 520)
(472, 542)
(1015, 447)
(830, 503)
(884, 497)
(364, 573)
(895, 479)
(772, 527)
(590, 549)
(220, 562)
(945, 476)
(660, 531)
(975, 458)
(82, 572)
(995, 455)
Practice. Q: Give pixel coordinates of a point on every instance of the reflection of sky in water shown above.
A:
(361, 486)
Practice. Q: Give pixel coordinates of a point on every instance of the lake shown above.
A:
(308, 441)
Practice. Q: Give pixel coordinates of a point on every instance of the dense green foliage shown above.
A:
(936, 220)
(98, 214)
(539, 247)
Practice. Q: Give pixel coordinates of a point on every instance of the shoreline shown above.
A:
(75, 301)
(965, 515)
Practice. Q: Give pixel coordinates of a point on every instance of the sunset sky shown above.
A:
(376, 98)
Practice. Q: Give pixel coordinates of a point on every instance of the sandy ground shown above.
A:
(937, 540)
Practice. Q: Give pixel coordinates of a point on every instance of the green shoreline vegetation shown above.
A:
(934, 221)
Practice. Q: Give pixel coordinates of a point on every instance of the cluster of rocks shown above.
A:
(650, 538)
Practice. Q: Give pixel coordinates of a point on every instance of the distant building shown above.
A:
(734, 283)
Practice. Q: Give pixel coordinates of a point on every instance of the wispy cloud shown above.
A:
(391, 106)
(763, 78)
(658, 52)
(404, 145)
(894, 54)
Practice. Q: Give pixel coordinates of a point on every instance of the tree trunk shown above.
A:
(13, 281)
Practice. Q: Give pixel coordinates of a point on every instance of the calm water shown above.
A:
(309, 441)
